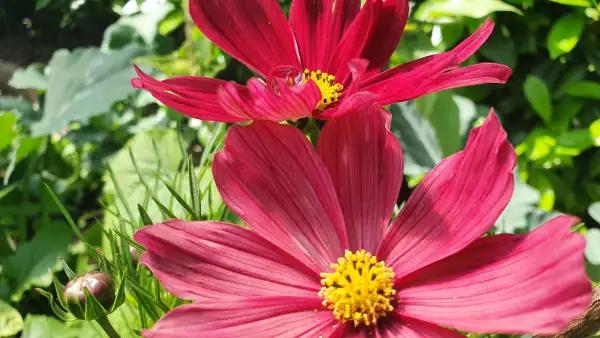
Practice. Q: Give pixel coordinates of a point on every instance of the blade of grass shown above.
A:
(66, 214)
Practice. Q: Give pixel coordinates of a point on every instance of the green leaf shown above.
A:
(592, 248)
(522, 203)
(145, 24)
(11, 321)
(564, 35)
(595, 132)
(36, 326)
(538, 95)
(41, 4)
(83, 84)
(58, 311)
(579, 3)
(451, 117)
(594, 211)
(434, 9)
(586, 89)
(421, 149)
(8, 129)
(171, 22)
(576, 139)
(30, 263)
(31, 77)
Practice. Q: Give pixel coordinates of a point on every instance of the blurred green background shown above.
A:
(68, 114)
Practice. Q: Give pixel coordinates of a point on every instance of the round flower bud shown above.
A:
(135, 253)
(99, 284)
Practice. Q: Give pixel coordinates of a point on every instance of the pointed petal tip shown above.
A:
(137, 83)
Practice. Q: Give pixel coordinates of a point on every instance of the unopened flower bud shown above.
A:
(135, 253)
(99, 285)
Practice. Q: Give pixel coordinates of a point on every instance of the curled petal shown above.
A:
(209, 260)
(262, 103)
(534, 283)
(255, 32)
(455, 203)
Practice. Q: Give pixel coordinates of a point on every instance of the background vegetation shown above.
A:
(85, 159)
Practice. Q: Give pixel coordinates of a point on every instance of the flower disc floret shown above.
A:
(360, 289)
(330, 90)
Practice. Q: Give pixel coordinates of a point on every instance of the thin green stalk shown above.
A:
(107, 327)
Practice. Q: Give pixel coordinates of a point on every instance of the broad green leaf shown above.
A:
(580, 3)
(587, 89)
(564, 35)
(31, 77)
(83, 84)
(8, 129)
(30, 263)
(576, 139)
(421, 149)
(173, 20)
(450, 116)
(11, 321)
(157, 160)
(592, 248)
(595, 132)
(37, 326)
(522, 203)
(538, 95)
(431, 10)
(41, 4)
(594, 211)
(144, 25)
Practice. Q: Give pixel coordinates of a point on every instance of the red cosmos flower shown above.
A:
(336, 46)
(321, 260)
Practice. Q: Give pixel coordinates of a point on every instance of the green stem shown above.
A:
(312, 131)
(107, 327)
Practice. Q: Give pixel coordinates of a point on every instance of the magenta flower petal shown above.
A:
(456, 203)
(477, 74)
(255, 32)
(193, 96)
(310, 21)
(365, 162)
(354, 40)
(412, 81)
(438, 72)
(387, 33)
(400, 327)
(291, 103)
(270, 176)
(344, 12)
(373, 35)
(533, 283)
(210, 260)
(254, 318)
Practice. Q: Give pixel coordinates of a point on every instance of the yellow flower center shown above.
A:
(360, 289)
(330, 90)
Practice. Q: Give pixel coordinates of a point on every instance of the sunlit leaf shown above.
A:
(586, 89)
(11, 321)
(564, 34)
(579, 3)
(434, 9)
(84, 83)
(31, 261)
(538, 95)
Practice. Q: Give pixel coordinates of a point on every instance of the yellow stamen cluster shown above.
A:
(360, 289)
(330, 90)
